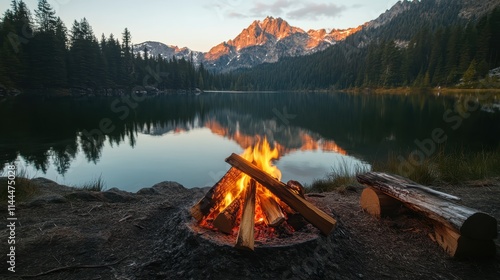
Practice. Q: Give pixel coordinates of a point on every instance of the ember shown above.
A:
(251, 200)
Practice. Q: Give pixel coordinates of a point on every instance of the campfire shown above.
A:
(250, 199)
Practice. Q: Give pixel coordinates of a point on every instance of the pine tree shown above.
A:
(45, 17)
(47, 49)
(471, 74)
(127, 53)
(85, 56)
(15, 33)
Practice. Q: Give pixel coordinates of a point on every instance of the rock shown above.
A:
(164, 188)
(116, 195)
(53, 198)
(113, 195)
(85, 196)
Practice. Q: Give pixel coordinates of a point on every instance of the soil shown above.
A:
(65, 233)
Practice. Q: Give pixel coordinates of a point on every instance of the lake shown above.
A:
(134, 142)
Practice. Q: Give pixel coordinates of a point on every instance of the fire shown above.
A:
(239, 204)
(262, 155)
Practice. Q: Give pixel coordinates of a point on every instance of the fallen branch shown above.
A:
(125, 218)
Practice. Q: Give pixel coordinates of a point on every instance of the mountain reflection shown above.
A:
(366, 126)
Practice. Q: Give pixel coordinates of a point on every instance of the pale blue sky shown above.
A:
(201, 25)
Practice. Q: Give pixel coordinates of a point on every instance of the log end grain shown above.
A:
(378, 204)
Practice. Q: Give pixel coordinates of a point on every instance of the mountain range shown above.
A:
(271, 39)
(263, 41)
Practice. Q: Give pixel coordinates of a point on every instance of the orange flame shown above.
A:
(262, 155)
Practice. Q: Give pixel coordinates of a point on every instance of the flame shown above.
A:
(262, 156)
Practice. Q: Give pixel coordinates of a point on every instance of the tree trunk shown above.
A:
(464, 220)
(460, 247)
(310, 212)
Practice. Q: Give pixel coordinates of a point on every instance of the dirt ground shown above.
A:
(64, 233)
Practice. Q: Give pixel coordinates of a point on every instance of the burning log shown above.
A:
(464, 220)
(311, 213)
(226, 219)
(215, 194)
(274, 215)
(245, 239)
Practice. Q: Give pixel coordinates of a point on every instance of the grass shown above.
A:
(341, 177)
(97, 185)
(24, 187)
(454, 167)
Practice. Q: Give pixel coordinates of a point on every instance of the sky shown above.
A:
(202, 24)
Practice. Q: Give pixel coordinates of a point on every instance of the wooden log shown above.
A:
(377, 203)
(294, 219)
(215, 194)
(310, 212)
(296, 187)
(226, 219)
(272, 211)
(245, 239)
(461, 247)
(464, 220)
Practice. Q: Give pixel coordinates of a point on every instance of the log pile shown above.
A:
(460, 230)
(290, 200)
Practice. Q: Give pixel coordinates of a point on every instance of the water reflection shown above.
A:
(67, 135)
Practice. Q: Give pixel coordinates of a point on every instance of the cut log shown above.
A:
(245, 239)
(214, 195)
(294, 219)
(462, 247)
(272, 211)
(226, 219)
(466, 221)
(310, 212)
(296, 187)
(377, 203)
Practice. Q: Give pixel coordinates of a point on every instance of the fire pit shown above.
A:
(250, 202)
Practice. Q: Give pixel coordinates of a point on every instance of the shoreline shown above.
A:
(146, 235)
(410, 90)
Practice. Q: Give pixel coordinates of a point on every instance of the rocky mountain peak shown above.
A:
(267, 41)
(278, 27)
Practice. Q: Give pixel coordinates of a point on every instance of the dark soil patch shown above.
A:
(147, 235)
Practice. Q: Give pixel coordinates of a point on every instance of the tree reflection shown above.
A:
(365, 125)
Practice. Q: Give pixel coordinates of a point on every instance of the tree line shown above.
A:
(460, 53)
(39, 52)
(434, 48)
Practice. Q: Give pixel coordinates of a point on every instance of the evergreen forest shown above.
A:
(38, 52)
(457, 55)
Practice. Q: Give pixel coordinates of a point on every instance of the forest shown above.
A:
(39, 53)
(453, 54)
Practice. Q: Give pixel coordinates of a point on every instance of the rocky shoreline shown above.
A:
(67, 233)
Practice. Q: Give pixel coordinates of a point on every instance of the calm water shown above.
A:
(185, 138)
